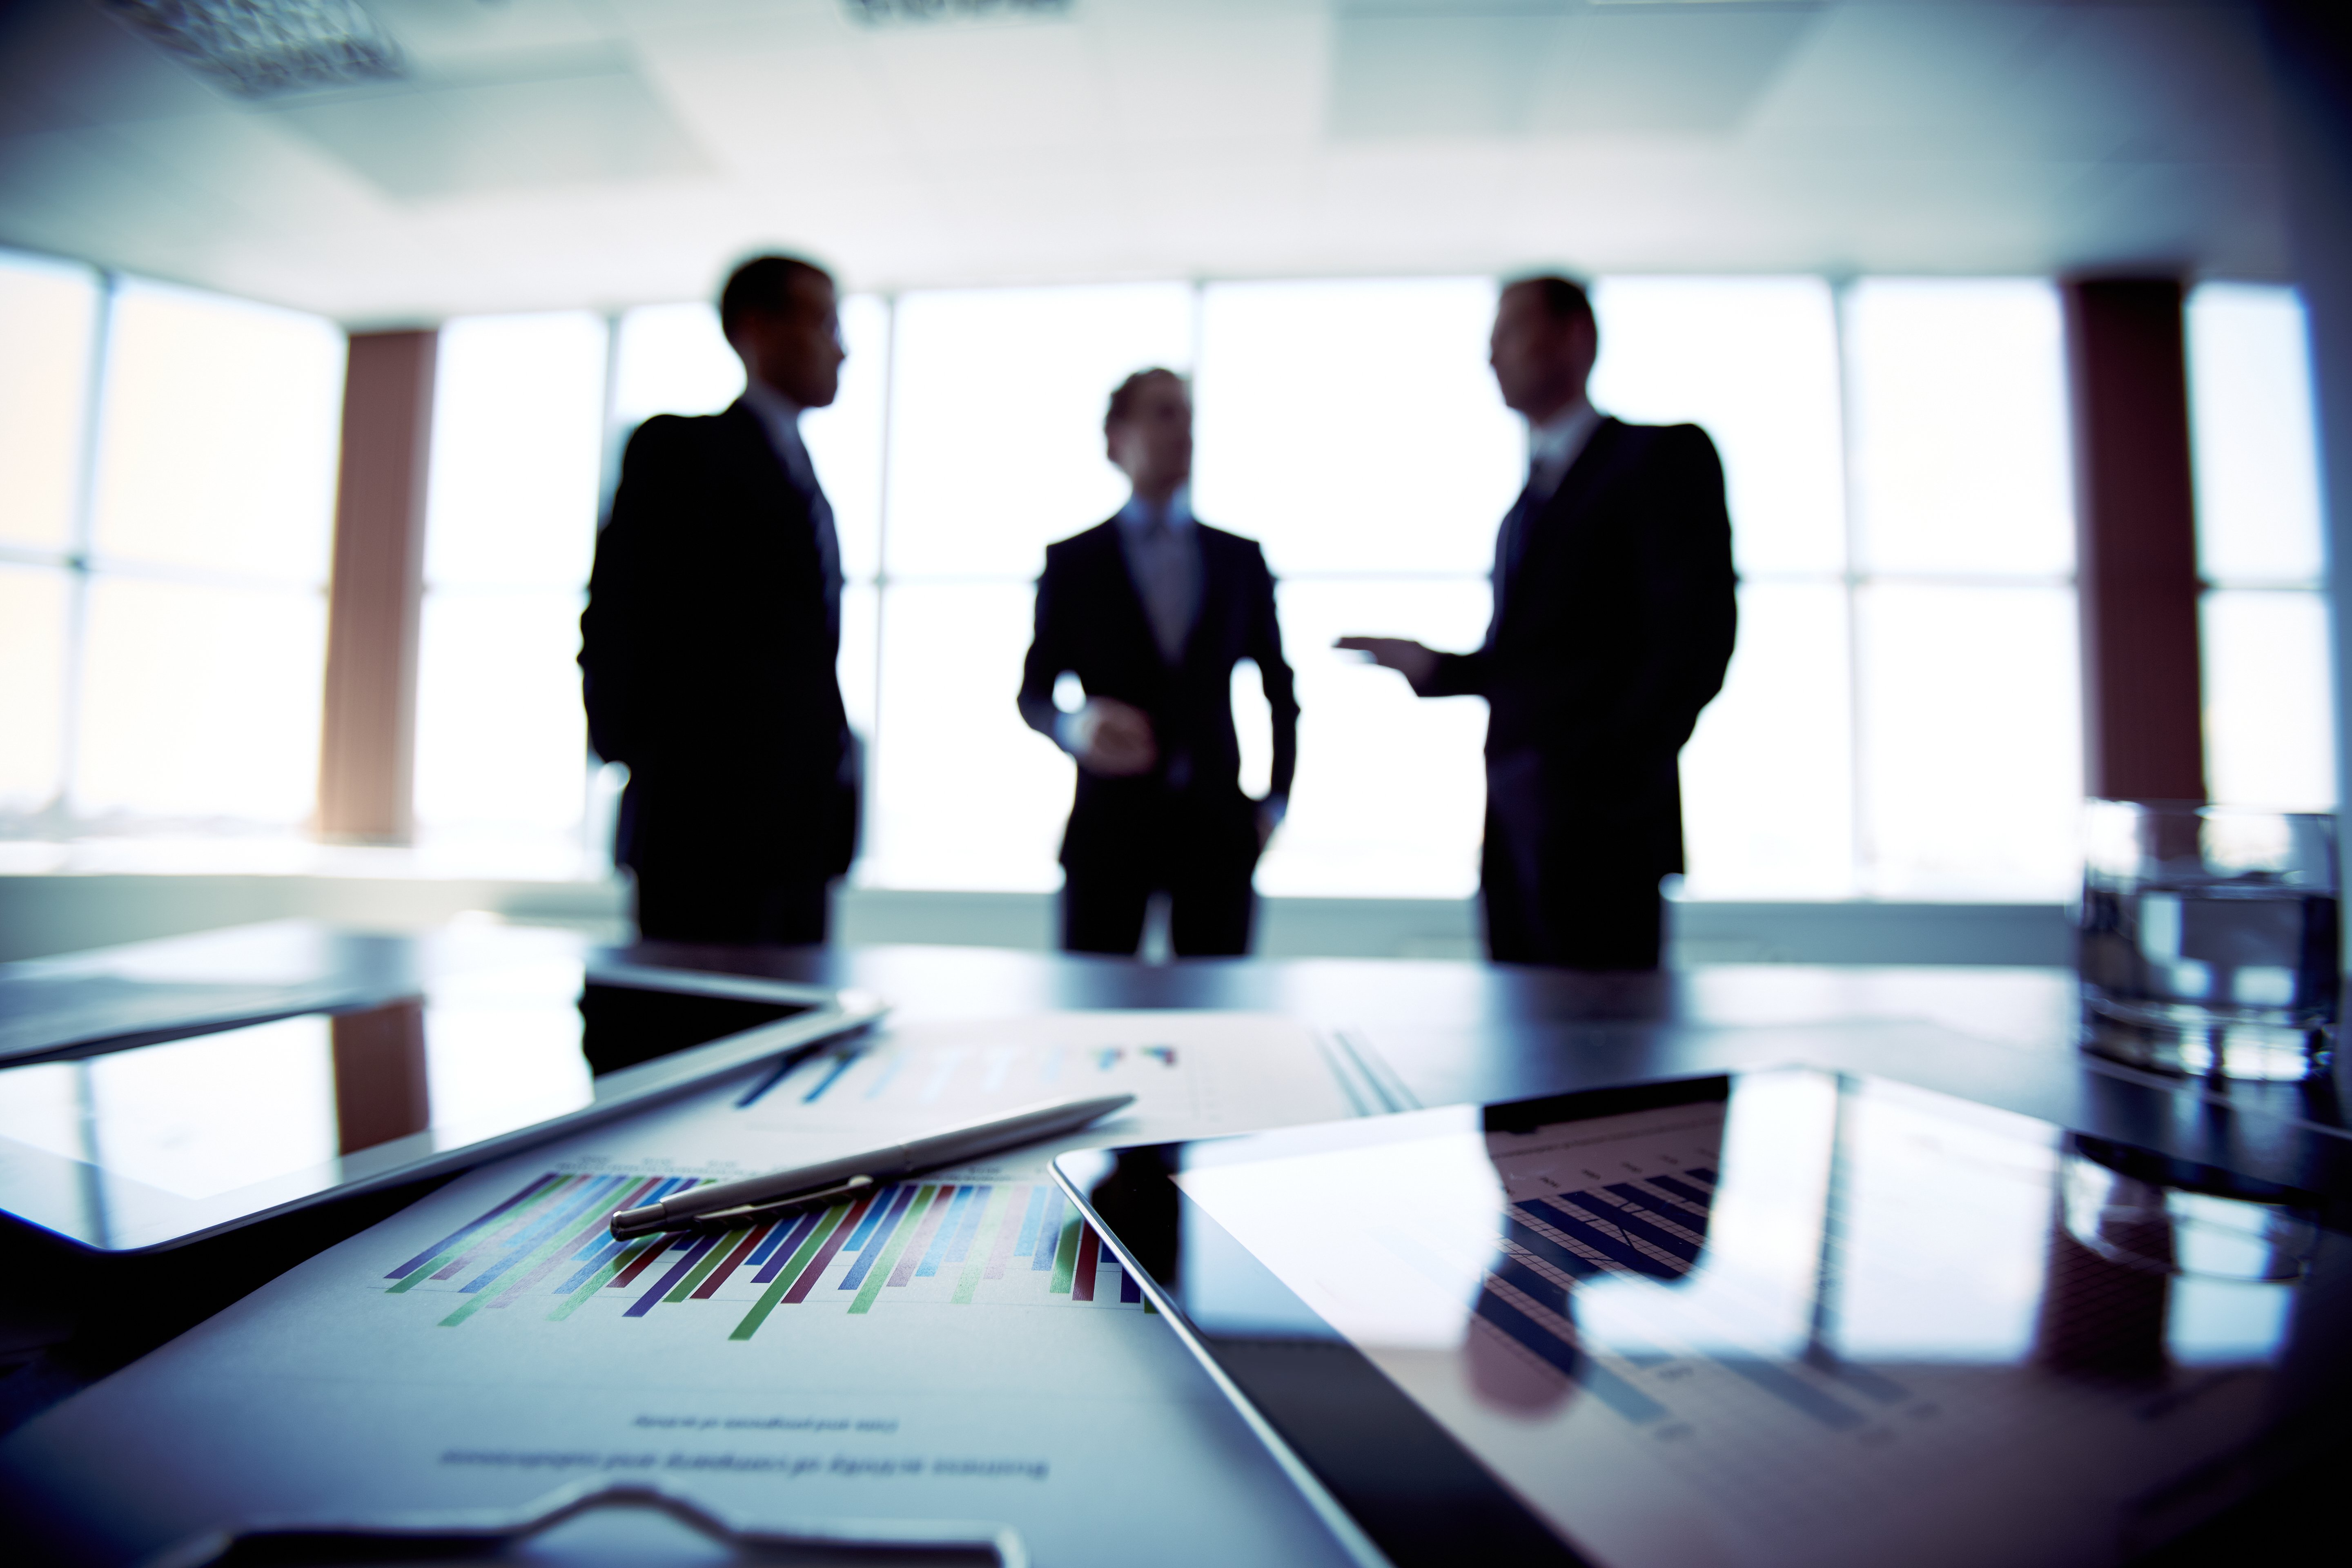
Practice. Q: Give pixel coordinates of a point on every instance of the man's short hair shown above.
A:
(1564, 299)
(764, 283)
(1122, 400)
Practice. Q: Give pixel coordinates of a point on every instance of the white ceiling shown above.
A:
(558, 152)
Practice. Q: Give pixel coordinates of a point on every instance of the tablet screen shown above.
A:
(1794, 1319)
(245, 1108)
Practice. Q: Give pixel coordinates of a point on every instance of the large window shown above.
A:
(510, 513)
(1900, 719)
(1968, 735)
(167, 467)
(2270, 732)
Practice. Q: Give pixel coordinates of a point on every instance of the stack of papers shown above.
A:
(957, 1347)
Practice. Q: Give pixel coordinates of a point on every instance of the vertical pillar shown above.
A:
(368, 749)
(2135, 533)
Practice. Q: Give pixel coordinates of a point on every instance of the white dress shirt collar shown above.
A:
(1554, 446)
(780, 416)
(1137, 515)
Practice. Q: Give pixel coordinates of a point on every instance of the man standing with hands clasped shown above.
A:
(1151, 610)
(1612, 626)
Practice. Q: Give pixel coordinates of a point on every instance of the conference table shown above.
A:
(1417, 1032)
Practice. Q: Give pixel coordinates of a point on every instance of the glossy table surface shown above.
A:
(1428, 1033)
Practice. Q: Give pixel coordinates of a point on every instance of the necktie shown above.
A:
(1511, 543)
(828, 557)
(802, 475)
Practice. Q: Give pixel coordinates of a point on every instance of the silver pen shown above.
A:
(759, 1197)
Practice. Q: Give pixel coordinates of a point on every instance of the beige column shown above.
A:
(2136, 532)
(368, 750)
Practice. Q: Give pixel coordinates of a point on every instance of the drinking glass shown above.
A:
(2206, 939)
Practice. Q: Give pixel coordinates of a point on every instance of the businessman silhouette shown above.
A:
(709, 645)
(1612, 625)
(1151, 610)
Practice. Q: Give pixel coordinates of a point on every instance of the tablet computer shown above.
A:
(128, 1147)
(1777, 1317)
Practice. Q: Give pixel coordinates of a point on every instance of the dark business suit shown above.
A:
(706, 656)
(1613, 624)
(1185, 827)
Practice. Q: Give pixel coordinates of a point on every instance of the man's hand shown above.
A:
(1417, 664)
(1270, 813)
(1113, 739)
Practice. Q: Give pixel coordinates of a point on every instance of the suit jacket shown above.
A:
(1091, 622)
(1613, 627)
(706, 656)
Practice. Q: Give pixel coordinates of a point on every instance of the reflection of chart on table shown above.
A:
(547, 1250)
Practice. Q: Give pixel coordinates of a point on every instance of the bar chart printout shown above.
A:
(546, 1249)
(911, 1073)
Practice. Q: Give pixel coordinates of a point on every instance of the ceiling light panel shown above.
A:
(259, 48)
(919, 13)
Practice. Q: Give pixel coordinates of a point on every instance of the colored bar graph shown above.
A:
(1049, 1233)
(804, 1279)
(558, 1202)
(645, 1303)
(454, 1237)
(1010, 1241)
(662, 1244)
(1066, 1255)
(943, 1240)
(859, 1238)
(869, 1240)
(588, 1239)
(440, 1266)
(961, 1246)
(709, 1285)
(825, 1234)
(841, 1065)
(919, 1240)
(890, 1251)
(932, 1245)
(989, 1265)
(778, 1249)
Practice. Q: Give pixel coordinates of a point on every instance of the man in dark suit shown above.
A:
(1151, 610)
(1612, 625)
(707, 648)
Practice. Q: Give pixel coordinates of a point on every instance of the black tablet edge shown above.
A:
(632, 1089)
(1375, 1525)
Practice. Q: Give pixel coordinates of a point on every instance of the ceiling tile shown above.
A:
(437, 142)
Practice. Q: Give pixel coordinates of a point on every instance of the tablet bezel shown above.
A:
(1395, 1486)
(106, 1212)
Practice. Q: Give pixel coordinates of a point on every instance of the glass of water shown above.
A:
(2207, 939)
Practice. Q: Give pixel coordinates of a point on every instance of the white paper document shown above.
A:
(957, 1346)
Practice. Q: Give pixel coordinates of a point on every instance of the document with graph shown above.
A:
(953, 1346)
